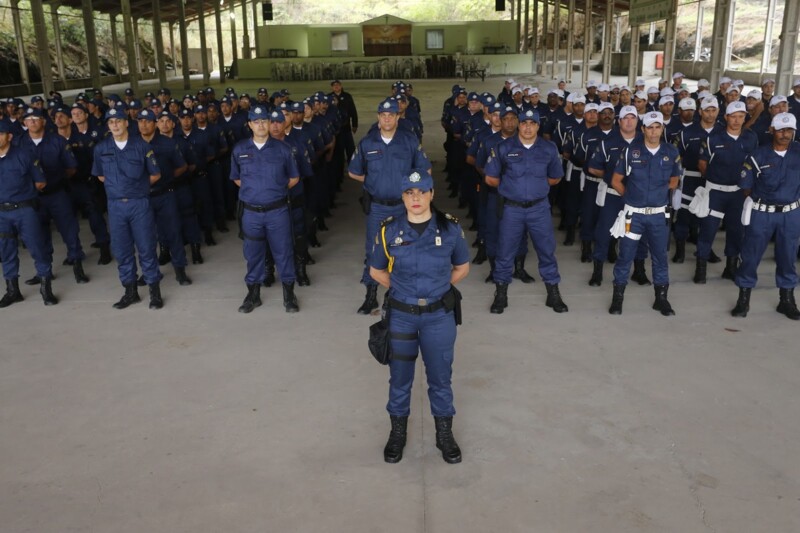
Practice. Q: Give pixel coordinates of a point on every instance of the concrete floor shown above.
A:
(196, 418)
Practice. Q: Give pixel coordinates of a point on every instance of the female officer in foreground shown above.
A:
(418, 256)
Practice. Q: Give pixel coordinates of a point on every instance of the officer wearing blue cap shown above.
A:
(264, 169)
(647, 172)
(382, 159)
(771, 179)
(349, 119)
(419, 256)
(523, 168)
(127, 167)
(210, 193)
(22, 176)
(234, 125)
(195, 148)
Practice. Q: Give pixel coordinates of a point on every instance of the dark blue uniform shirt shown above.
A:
(19, 170)
(169, 157)
(55, 157)
(690, 142)
(774, 180)
(725, 155)
(300, 145)
(524, 172)
(127, 172)
(265, 172)
(607, 152)
(82, 145)
(647, 175)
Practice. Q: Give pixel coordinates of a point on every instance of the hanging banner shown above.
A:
(643, 11)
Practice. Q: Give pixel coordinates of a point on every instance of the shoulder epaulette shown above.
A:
(451, 218)
(386, 221)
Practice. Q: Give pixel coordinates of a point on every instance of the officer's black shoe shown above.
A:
(105, 254)
(692, 235)
(209, 237)
(639, 272)
(480, 256)
(586, 251)
(554, 298)
(313, 241)
(612, 251)
(661, 303)
(700, 271)
(474, 225)
(46, 290)
(393, 451)
(787, 305)
(445, 441)
(164, 257)
(713, 258)
(77, 269)
(370, 300)
(308, 259)
(616, 300)
(35, 280)
(197, 257)
(490, 277)
(519, 270)
(253, 298)
(131, 296)
(269, 279)
(289, 299)
(181, 277)
(569, 240)
(743, 303)
(12, 294)
(320, 221)
(500, 299)
(140, 281)
(222, 227)
(680, 252)
(731, 267)
(67, 262)
(155, 296)
(597, 274)
(302, 276)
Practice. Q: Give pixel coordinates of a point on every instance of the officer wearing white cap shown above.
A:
(677, 80)
(762, 125)
(591, 93)
(794, 99)
(504, 96)
(702, 85)
(770, 178)
(767, 90)
(653, 95)
(724, 83)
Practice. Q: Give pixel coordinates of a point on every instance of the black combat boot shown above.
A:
(597, 274)
(661, 303)
(490, 277)
(519, 270)
(639, 272)
(197, 257)
(787, 305)
(302, 275)
(680, 252)
(393, 451)
(181, 277)
(253, 298)
(209, 237)
(713, 258)
(700, 271)
(164, 256)
(77, 270)
(616, 300)
(131, 296)
(500, 299)
(46, 290)
(289, 299)
(140, 282)
(270, 277)
(743, 303)
(554, 298)
(105, 254)
(480, 256)
(569, 240)
(155, 296)
(370, 300)
(222, 227)
(35, 280)
(612, 251)
(731, 267)
(12, 294)
(586, 251)
(445, 441)
(320, 222)
(313, 241)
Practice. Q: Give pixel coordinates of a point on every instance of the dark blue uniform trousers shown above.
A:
(273, 227)
(84, 199)
(168, 224)
(132, 224)
(730, 205)
(23, 223)
(685, 219)
(573, 197)
(190, 227)
(58, 207)
(435, 334)
(492, 232)
(602, 236)
(654, 232)
(536, 220)
(376, 215)
(589, 210)
(211, 193)
(786, 229)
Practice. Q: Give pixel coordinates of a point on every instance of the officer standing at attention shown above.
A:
(648, 171)
(771, 178)
(349, 114)
(264, 169)
(419, 256)
(382, 159)
(21, 178)
(523, 168)
(127, 166)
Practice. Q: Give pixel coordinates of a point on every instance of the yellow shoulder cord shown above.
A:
(386, 250)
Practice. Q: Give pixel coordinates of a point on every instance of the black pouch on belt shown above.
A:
(380, 344)
(366, 202)
(452, 302)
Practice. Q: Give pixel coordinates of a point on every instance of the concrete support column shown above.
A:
(618, 34)
(633, 65)
(201, 21)
(91, 42)
(173, 52)
(220, 48)
(42, 45)
(257, 17)
(669, 44)
(652, 36)
(526, 33)
(557, 39)
(535, 56)
(570, 40)
(545, 28)
(57, 34)
(721, 40)
(127, 24)
(158, 44)
(137, 47)
(246, 36)
(607, 30)
(788, 48)
(112, 19)
(766, 57)
(233, 33)
(23, 64)
(587, 43)
(698, 31)
(184, 46)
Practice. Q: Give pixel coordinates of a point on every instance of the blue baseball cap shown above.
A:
(168, 115)
(200, 108)
(487, 100)
(33, 112)
(115, 112)
(389, 106)
(62, 109)
(277, 116)
(146, 114)
(224, 100)
(529, 114)
(135, 104)
(508, 110)
(473, 97)
(497, 107)
(5, 126)
(79, 106)
(36, 99)
(418, 178)
(183, 113)
(258, 112)
(298, 107)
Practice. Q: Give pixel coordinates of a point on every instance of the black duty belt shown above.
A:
(423, 307)
(525, 205)
(389, 203)
(11, 206)
(161, 192)
(263, 208)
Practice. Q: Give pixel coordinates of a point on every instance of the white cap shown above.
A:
(653, 117)
(591, 106)
(624, 88)
(767, 80)
(687, 104)
(628, 110)
(755, 93)
(577, 98)
(778, 99)
(511, 81)
(561, 80)
(661, 80)
(640, 81)
(571, 98)
(641, 95)
(724, 79)
(738, 82)
(603, 106)
(516, 89)
(666, 100)
(603, 88)
(591, 83)
(781, 121)
(666, 91)
(703, 94)
(709, 101)
(702, 82)
(652, 90)
(796, 82)
(678, 75)
(732, 88)
(736, 107)
(533, 90)
(557, 92)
